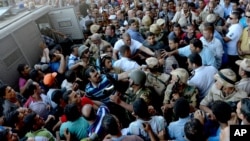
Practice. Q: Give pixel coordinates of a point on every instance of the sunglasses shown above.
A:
(247, 17)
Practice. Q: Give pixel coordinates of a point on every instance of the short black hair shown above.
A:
(66, 96)
(195, 58)
(70, 76)
(197, 43)
(74, 46)
(89, 70)
(194, 130)
(245, 108)
(140, 108)
(112, 27)
(181, 108)
(2, 90)
(21, 68)
(71, 111)
(221, 115)
(123, 49)
(108, 122)
(177, 25)
(57, 95)
(29, 120)
(174, 39)
(3, 133)
(148, 34)
(131, 21)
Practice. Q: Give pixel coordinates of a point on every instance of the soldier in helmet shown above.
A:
(178, 87)
(137, 79)
(156, 80)
(223, 89)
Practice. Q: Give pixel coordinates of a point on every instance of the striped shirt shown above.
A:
(97, 93)
(96, 126)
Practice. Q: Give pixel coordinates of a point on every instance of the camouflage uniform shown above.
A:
(216, 94)
(190, 93)
(158, 82)
(143, 93)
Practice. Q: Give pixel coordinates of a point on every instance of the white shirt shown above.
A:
(126, 64)
(203, 79)
(217, 10)
(49, 96)
(157, 124)
(216, 47)
(234, 34)
(135, 45)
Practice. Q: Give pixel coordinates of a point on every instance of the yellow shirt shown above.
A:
(245, 43)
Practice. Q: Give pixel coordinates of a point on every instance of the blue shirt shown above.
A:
(135, 35)
(72, 60)
(216, 137)
(96, 126)
(97, 93)
(243, 22)
(176, 129)
(207, 56)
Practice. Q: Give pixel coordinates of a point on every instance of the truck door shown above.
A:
(65, 20)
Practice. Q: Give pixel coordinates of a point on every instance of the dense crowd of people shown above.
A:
(145, 70)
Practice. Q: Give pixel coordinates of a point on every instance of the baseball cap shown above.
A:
(49, 79)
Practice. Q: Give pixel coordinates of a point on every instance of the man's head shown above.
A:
(72, 112)
(88, 112)
(8, 93)
(190, 28)
(225, 80)
(150, 38)
(177, 29)
(93, 75)
(131, 14)
(7, 135)
(96, 39)
(23, 70)
(106, 62)
(194, 130)
(110, 30)
(196, 46)
(244, 67)
(243, 110)
(194, 61)
(126, 39)
(34, 89)
(33, 121)
(173, 43)
(201, 4)
(224, 115)
(181, 108)
(70, 97)
(247, 15)
(234, 17)
(83, 52)
(140, 108)
(137, 77)
(180, 75)
(50, 79)
(211, 6)
(74, 50)
(110, 121)
(208, 31)
(107, 49)
(125, 51)
(133, 24)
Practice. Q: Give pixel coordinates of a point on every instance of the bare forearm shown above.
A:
(126, 106)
